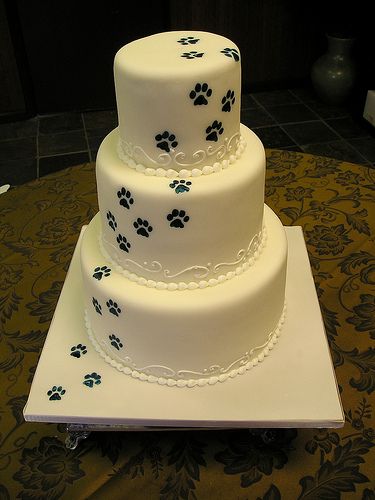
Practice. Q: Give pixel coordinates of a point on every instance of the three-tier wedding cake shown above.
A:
(184, 266)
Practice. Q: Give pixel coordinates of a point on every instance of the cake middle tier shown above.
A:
(179, 232)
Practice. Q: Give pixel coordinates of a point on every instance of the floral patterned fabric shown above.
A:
(39, 226)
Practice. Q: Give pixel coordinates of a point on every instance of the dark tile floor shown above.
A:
(285, 119)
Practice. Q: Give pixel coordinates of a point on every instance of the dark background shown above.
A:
(58, 56)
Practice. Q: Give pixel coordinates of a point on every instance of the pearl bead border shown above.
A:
(184, 173)
(202, 382)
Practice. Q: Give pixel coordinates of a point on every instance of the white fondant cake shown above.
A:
(220, 229)
(184, 266)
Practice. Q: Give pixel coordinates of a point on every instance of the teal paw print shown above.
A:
(180, 186)
(92, 379)
(78, 350)
(55, 393)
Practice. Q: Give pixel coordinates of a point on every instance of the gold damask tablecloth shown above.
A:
(39, 227)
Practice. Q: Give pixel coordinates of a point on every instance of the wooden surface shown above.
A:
(40, 222)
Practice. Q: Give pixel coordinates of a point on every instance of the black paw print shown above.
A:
(180, 186)
(92, 379)
(98, 307)
(143, 227)
(166, 141)
(188, 40)
(113, 307)
(125, 198)
(123, 243)
(177, 218)
(231, 53)
(55, 393)
(111, 219)
(199, 94)
(227, 101)
(99, 272)
(192, 54)
(115, 342)
(213, 130)
(78, 350)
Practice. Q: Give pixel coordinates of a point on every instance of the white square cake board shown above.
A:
(295, 386)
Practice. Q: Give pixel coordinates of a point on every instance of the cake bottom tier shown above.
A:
(185, 337)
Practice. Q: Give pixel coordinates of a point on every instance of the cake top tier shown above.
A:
(167, 55)
(178, 100)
